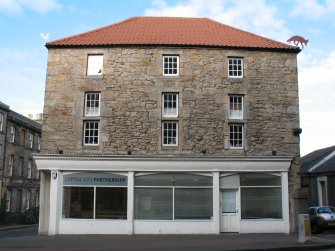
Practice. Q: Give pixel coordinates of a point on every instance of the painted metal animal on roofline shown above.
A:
(297, 39)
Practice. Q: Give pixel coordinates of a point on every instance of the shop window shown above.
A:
(261, 196)
(78, 202)
(173, 197)
(111, 203)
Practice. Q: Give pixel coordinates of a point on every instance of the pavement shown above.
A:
(24, 237)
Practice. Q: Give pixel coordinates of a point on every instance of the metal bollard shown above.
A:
(304, 229)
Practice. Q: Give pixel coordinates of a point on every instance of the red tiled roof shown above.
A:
(170, 31)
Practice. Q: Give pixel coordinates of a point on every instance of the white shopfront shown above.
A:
(163, 194)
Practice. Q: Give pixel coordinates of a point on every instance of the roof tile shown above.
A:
(170, 31)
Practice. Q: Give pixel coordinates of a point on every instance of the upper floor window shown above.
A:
(30, 164)
(10, 165)
(236, 136)
(2, 117)
(235, 67)
(92, 104)
(170, 105)
(170, 65)
(94, 64)
(170, 133)
(31, 140)
(235, 107)
(8, 199)
(91, 133)
(12, 134)
(38, 141)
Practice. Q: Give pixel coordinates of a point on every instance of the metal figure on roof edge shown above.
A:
(297, 39)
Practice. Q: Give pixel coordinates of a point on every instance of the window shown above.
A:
(92, 104)
(38, 142)
(8, 199)
(28, 199)
(12, 134)
(170, 105)
(110, 202)
(10, 165)
(2, 116)
(29, 168)
(235, 67)
(20, 170)
(170, 65)
(94, 64)
(236, 136)
(31, 140)
(37, 199)
(260, 196)
(91, 133)
(170, 133)
(235, 107)
(172, 196)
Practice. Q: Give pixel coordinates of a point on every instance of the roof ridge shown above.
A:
(92, 31)
(322, 161)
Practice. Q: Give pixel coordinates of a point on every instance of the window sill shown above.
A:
(235, 80)
(95, 76)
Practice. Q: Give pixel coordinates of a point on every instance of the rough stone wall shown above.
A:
(131, 90)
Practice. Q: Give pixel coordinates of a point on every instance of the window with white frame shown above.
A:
(37, 199)
(236, 136)
(170, 133)
(170, 65)
(94, 64)
(235, 67)
(31, 140)
(12, 134)
(236, 107)
(170, 105)
(28, 199)
(20, 169)
(8, 199)
(2, 117)
(10, 165)
(92, 104)
(30, 163)
(91, 133)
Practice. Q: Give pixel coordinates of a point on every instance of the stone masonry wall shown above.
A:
(131, 90)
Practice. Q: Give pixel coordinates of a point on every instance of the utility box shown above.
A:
(304, 229)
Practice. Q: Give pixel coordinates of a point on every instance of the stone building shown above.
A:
(20, 137)
(169, 125)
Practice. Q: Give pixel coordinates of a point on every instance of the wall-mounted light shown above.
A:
(297, 131)
(54, 175)
(204, 151)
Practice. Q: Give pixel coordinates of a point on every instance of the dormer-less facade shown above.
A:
(169, 125)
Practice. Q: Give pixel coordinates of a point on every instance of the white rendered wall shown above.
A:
(262, 226)
(80, 226)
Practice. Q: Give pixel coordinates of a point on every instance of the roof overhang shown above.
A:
(166, 163)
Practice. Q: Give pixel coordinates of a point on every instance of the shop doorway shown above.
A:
(229, 221)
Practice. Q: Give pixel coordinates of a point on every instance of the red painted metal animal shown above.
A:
(297, 39)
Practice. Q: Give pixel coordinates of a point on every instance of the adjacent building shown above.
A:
(20, 137)
(318, 177)
(164, 125)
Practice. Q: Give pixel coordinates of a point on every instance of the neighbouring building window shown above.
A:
(170, 105)
(92, 104)
(10, 165)
(31, 140)
(236, 107)
(37, 199)
(91, 133)
(173, 197)
(38, 141)
(28, 199)
(2, 117)
(170, 133)
(8, 199)
(236, 136)
(30, 163)
(261, 196)
(235, 67)
(94, 64)
(170, 65)
(12, 134)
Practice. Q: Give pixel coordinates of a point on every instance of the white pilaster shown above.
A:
(55, 201)
(216, 202)
(285, 202)
(130, 203)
